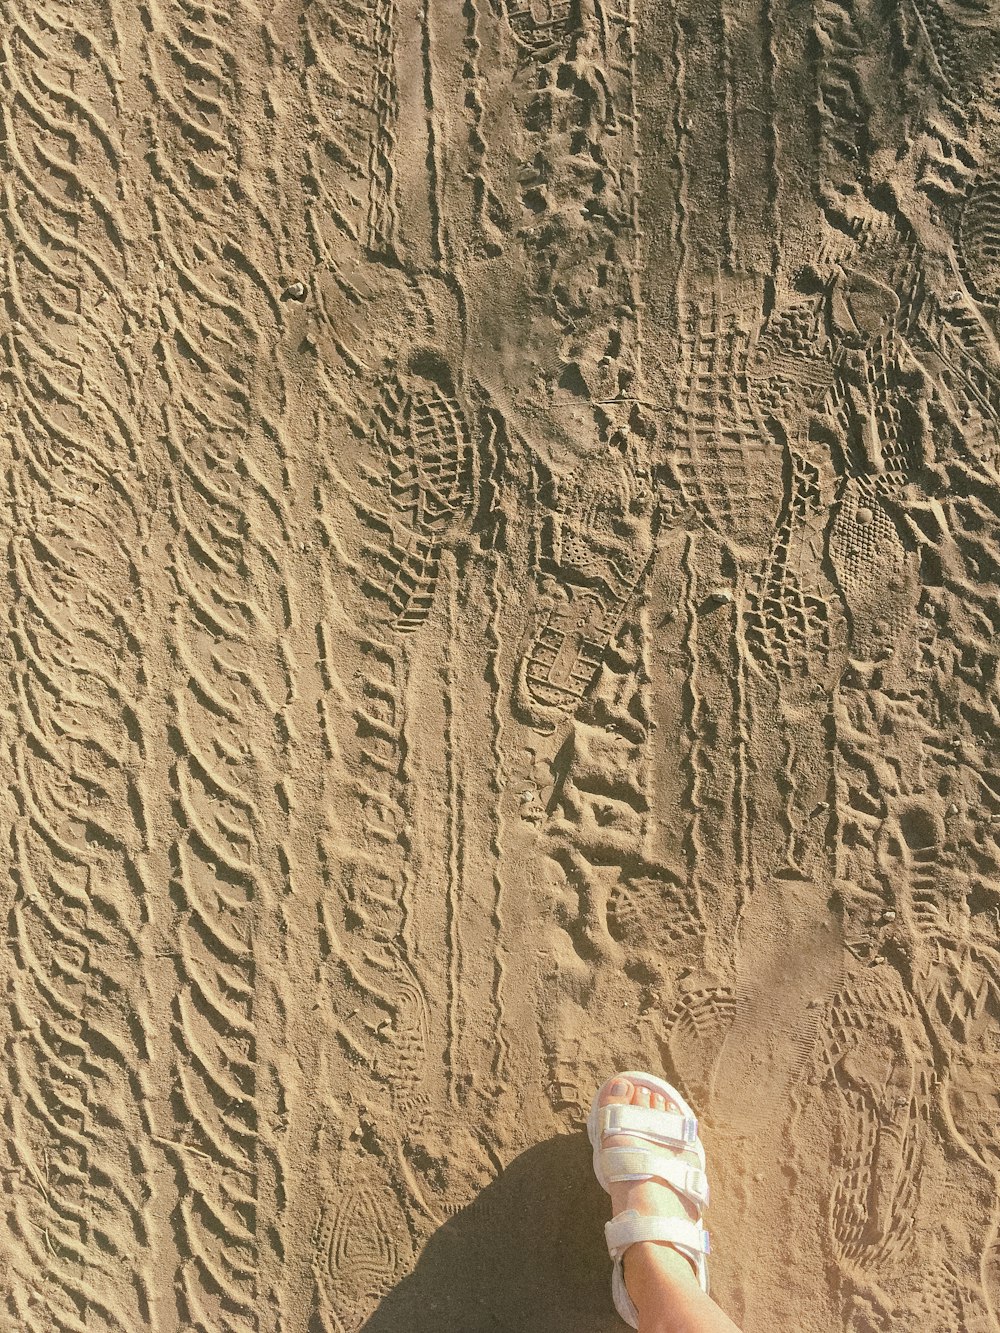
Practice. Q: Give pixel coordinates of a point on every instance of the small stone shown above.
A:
(952, 809)
(888, 915)
(295, 291)
(864, 516)
(719, 597)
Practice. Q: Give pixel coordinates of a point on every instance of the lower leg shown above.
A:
(666, 1293)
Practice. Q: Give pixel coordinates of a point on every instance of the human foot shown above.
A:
(647, 1155)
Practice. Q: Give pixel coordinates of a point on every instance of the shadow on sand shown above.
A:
(527, 1256)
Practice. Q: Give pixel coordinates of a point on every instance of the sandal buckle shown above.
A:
(697, 1184)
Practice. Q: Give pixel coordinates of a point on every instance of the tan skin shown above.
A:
(660, 1280)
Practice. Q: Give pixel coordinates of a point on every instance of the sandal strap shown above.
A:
(622, 1300)
(631, 1228)
(663, 1127)
(618, 1164)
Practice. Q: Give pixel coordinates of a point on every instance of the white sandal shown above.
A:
(654, 1130)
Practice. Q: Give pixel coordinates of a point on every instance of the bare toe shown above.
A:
(618, 1091)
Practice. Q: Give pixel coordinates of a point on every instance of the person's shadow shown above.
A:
(527, 1256)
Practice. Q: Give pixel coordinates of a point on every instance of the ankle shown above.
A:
(654, 1272)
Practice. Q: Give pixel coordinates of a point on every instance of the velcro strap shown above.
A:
(667, 1127)
(620, 1164)
(631, 1228)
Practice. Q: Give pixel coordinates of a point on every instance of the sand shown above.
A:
(501, 528)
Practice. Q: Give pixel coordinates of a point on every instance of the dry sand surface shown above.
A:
(501, 535)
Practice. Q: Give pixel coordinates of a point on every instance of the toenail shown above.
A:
(618, 1088)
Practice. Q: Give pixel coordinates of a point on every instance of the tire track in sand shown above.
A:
(74, 1081)
(229, 615)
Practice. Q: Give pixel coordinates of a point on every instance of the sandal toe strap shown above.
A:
(664, 1127)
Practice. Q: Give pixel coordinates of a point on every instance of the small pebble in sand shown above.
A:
(719, 597)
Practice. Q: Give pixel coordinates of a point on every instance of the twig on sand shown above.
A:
(187, 1147)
